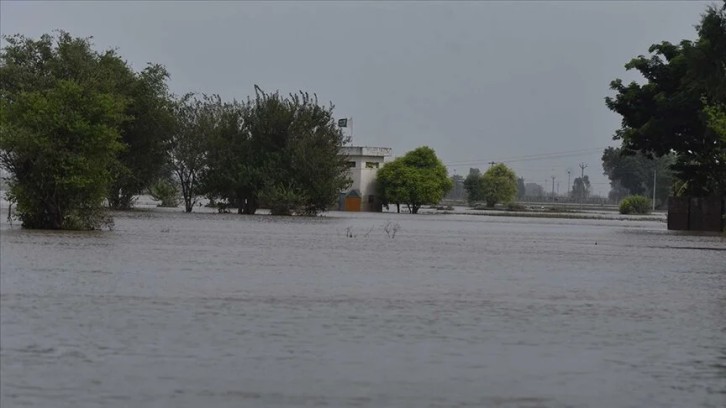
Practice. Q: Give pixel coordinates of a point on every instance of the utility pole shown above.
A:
(568, 183)
(582, 182)
(553, 188)
(654, 171)
(491, 163)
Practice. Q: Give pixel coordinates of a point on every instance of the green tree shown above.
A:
(57, 145)
(473, 186)
(37, 65)
(196, 118)
(145, 134)
(282, 152)
(415, 179)
(667, 113)
(633, 174)
(61, 114)
(499, 185)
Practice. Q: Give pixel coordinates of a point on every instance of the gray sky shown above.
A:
(476, 81)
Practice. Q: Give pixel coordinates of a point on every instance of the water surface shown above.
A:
(222, 310)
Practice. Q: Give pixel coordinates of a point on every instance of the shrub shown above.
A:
(166, 192)
(635, 205)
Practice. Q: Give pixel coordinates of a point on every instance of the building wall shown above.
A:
(363, 177)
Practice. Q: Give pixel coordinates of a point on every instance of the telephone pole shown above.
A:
(568, 183)
(491, 163)
(553, 188)
(582, 182)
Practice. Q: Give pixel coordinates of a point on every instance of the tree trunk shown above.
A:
(398, 208)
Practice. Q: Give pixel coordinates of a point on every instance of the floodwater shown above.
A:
(222, 310)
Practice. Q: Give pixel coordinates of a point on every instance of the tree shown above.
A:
(581, 188)
(416, 179)
(57, 145)
(473, 186)
(60, 120)
(521, 189)
(633, 174)
(499, 185)
(196, 117)
(145, 134)
(280, 151)
(667, 114)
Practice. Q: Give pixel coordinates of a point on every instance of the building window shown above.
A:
(372, 165)
(351, 164)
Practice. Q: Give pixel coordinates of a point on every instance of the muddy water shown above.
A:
(177, 310)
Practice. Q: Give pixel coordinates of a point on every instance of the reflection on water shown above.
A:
(179, 310)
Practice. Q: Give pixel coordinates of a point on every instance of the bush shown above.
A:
(166, 192)
(635, 205)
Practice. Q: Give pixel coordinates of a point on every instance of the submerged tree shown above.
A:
(59, 129)
(196, 118)
(498, 185)
(416, 179)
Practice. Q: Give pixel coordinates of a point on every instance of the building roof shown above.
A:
(366, 151)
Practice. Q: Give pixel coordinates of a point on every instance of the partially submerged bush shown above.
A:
(636, 204)
(166, 192)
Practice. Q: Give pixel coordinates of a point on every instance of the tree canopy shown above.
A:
(632, 174)
(499, 185)
(282, 152)
(60, 129)
(668, 113)
(415, 179)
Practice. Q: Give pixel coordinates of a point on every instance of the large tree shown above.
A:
(473, 186)
(145, 134)
(632, 174)
(667, 115)
(37, 65)
(415, 179)
(61, 118)
(281, 152)
(196, 117)
(499, 185)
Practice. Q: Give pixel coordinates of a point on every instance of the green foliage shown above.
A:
(498, 185)
(667, 114)
(57, 144)
(418, 178)
(37, 65)
(196, 118)
(62, 112)
(635, 204)
(717, 119)
(473, 187)
(633, 173)
(166, 192)
(282, 152)
(145, 134)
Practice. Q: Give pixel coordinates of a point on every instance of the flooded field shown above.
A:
(211, 310)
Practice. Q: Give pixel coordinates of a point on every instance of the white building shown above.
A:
(363, 162)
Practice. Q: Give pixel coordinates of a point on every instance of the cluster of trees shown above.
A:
(415, 179)
(81, 128)
(498, 184)
(632, 174)
(678, 113)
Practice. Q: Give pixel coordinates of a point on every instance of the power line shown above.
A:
(531, 157)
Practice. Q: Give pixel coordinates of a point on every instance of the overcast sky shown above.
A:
(476, 81)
